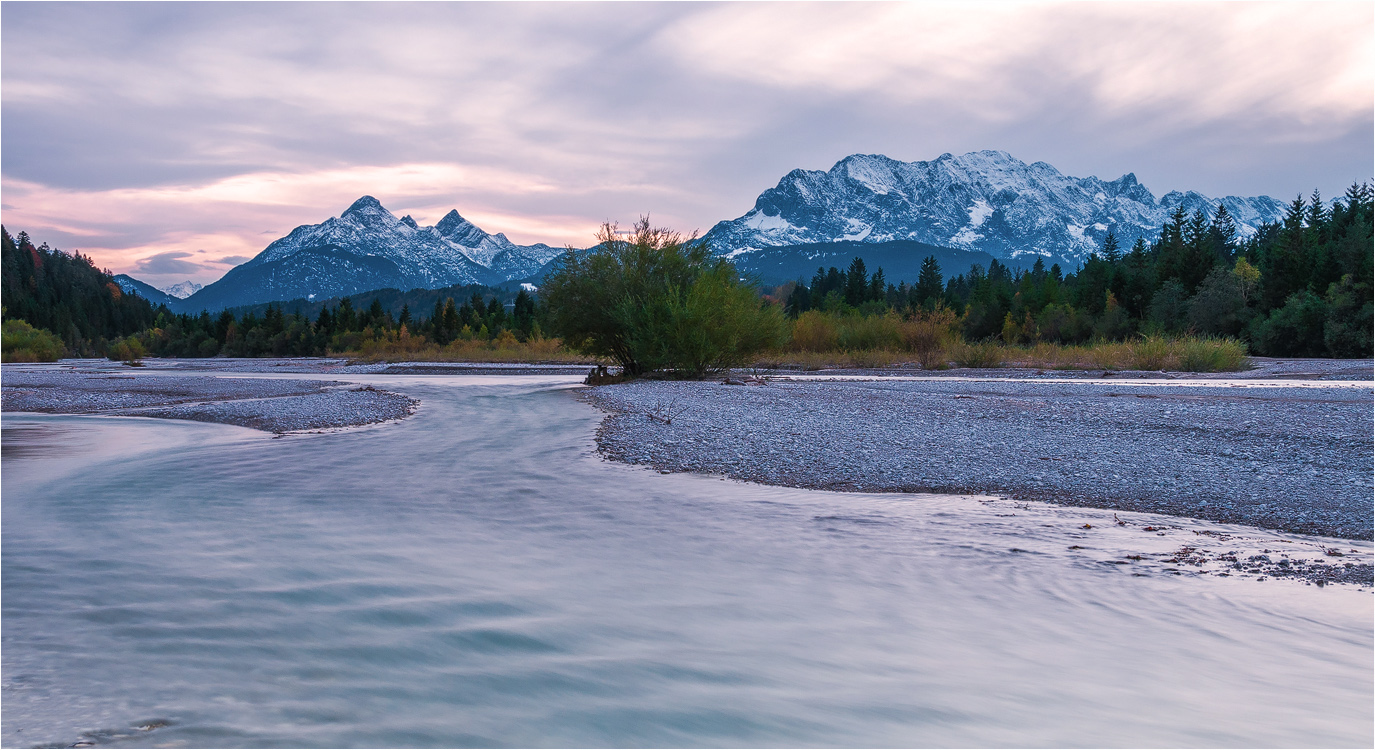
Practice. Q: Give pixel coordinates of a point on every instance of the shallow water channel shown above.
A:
(477, 575)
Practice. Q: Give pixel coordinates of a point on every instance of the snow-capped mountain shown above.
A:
(984, 201)
(131, 285)
(182, 290)
(367, 247)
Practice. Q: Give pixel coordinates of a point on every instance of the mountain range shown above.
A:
(984, 201)
(962, 209)
(366, 248)
(182, 290)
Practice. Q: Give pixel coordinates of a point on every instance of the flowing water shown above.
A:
(476, 575)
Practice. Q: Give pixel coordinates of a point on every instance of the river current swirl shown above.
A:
(477, 576)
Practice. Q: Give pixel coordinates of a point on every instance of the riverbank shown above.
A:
(268, 404)
(1291, 456)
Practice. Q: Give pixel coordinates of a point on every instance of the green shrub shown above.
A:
(21, 342)
(713, 324)
(129, 350)
(658, 302)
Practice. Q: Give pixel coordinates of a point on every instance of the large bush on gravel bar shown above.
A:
(654, 301)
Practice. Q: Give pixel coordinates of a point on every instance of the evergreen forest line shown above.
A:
(1299, 287)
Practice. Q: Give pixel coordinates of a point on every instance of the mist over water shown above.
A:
(476, 575)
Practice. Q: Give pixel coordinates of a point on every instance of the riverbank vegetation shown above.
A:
(1298, 288)
(657, 302)
(1199, 297)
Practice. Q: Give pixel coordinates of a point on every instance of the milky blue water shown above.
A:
(476, 575)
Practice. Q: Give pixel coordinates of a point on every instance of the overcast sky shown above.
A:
(173, 141)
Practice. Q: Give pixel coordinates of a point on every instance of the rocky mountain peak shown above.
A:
(987, 201)
(366, 204)
(451, 223)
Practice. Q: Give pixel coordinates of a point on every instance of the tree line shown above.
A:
(652, 300)
(61, 304)
(1298, 287)
(66, 295)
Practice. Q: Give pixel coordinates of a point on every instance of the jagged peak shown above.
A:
(450, 222)
(983, 156)
(362, 204)
(408, 221)
(864, 159)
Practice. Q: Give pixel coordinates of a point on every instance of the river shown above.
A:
(477, 576)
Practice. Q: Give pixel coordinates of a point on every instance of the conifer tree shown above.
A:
(1111, 251)
(856, 283)
(929, 283)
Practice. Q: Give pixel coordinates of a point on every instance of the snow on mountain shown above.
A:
(985, 201)
(367, 247)
(182, 290)
(131, 285)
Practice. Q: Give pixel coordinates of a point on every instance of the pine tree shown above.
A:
(929, 283)
(344, 317)
(1223, 232)
(877, 287)
(856, 283)
(1111, 252)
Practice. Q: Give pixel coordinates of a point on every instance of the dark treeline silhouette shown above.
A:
(66, 295)
(335, 329)
(1299, 287)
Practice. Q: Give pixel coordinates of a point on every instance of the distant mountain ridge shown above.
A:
(984, 201)
(183, 289)
(131, 285)
(900, 260)
(366, 248)
(975, 207)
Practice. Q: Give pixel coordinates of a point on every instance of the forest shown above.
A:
(1301, 287)
(1298, 288)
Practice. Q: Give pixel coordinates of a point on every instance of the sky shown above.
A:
(173, 141)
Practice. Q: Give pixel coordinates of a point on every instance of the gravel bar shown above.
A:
(1274, 455)
(269, 404)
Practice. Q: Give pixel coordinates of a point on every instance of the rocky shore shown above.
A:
(1285, 455)
(269, 404)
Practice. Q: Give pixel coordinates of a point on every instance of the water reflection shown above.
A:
(37, 440)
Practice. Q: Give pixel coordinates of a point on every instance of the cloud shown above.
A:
(1184, 64)
(135, 130)
(233, 260)
(163, 264)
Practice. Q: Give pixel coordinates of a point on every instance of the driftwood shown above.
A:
(599, 375)
(665, 412)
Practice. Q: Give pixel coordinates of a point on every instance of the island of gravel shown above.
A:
(1277, 454)
(268, 404)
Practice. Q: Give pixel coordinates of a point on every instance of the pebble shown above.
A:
(1295, 459)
